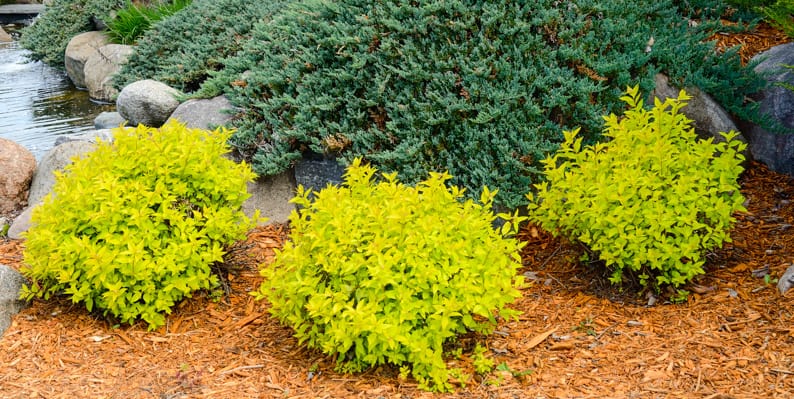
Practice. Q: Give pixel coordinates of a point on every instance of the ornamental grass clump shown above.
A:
(381, 272)
(182, 50)
(651, 201)
(132, 21)
(135, 226)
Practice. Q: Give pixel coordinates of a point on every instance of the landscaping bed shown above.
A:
(733, 337)
(578, 335)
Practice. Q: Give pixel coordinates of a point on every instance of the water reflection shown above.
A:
(38, 103)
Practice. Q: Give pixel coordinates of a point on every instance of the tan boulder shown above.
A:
(5, 37)
(78, 51)
(99, 70)
(18, 166)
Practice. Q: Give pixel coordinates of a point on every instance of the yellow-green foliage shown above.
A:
(649, 202)
(134, 226)
(386, 273)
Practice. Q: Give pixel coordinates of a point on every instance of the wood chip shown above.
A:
(564, 345)
(540, 338)
(248, 320)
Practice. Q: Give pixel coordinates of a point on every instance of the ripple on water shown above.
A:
(38, 104)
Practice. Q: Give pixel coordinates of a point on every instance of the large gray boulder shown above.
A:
(108, 120)
(17, 165)
(147, 102)
(204, 114)
(11, 283)
(92, 137)
(100, 68)
(44, 179)
(270, 196)
(78, 51)
(775, 149)
(708, 117)
(21, 223)
(316, 172)
(56, 159)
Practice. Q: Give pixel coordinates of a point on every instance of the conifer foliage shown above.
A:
(482, 89)
(181, 51)
(50, 33)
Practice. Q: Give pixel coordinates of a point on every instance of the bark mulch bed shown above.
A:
(577, 337)
(734, 337)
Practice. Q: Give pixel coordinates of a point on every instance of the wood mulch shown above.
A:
(763, 37)
(733, 338)
(577, 337)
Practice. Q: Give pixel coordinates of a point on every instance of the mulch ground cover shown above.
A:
(577, 337)
(761, 38)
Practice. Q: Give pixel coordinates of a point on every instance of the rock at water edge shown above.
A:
(78, 51)
(17, 165)
(147, 102)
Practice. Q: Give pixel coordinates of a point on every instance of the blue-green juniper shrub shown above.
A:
(479, 88)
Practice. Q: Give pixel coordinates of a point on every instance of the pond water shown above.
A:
(38, 103)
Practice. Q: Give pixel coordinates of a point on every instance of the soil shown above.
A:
(578, 336)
